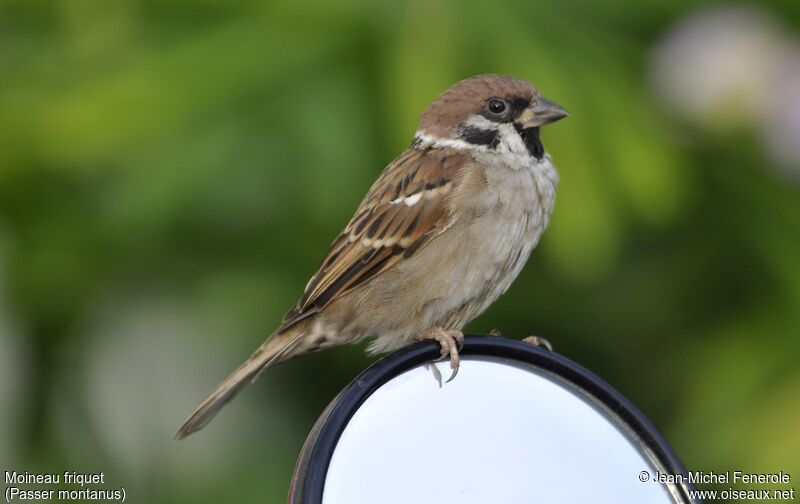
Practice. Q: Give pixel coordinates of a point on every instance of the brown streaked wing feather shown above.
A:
(385, 229)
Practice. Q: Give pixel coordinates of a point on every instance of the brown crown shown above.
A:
(468, 97)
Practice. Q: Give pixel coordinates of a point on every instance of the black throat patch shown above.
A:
(533, 143)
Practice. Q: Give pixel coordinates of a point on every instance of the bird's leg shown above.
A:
(538, 341)
(450, 342)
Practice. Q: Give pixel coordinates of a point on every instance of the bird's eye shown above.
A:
(497, 106)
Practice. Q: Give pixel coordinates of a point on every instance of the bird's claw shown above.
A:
(495, 332)
(539, 341)
(451, 342)
(437, 375)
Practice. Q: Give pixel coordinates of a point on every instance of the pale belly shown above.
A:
(460, 273)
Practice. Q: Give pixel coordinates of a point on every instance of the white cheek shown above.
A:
(480, 122)
(510, 140)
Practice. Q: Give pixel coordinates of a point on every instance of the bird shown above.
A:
(441, 234)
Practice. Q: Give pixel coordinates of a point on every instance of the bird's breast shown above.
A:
(498, 227)
(499, 216)
(511, 215)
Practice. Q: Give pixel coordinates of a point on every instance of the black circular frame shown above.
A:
(308, 482)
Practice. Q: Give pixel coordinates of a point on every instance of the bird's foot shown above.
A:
(495, 332)
(450, 341)
(538, 341)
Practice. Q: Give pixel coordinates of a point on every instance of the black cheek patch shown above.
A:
(479, 136)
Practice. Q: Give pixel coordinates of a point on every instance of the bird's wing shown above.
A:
(405, 207)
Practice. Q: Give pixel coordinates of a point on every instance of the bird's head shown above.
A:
(489, 112)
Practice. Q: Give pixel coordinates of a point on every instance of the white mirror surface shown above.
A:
(501, 432)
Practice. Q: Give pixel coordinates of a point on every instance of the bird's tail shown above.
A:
(277, 348)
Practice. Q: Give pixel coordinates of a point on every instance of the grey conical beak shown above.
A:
(542, 112)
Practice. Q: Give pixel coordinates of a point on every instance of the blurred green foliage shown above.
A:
(172, 171)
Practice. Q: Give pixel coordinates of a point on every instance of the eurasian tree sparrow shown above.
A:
(441, 234)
